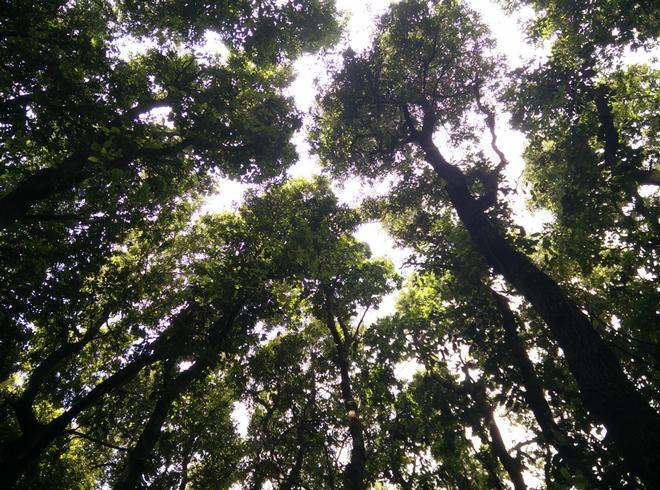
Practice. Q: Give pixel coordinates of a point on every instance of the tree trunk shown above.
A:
(48, 182)
(17, 455)
(355, 470)
(569, 451)
(489, 462)
(23, 405)
(137, 463)
(511, 465)
(293, 478)
(605, 389)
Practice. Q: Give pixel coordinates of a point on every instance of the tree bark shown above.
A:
(569, 451)
(18, 454)
(47, 182)
(292, 479)
(605, 389)
(511, 465)
(138, 459)
(23, 405)
(489, 462)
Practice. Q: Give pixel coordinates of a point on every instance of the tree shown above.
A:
(592, 148)
(340, 278)
(427, 68)
(135, 332)
(84, 158)
(88, 169)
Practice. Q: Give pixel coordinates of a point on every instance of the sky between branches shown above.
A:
(360, 18)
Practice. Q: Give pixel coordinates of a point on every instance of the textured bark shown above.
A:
(293, 477)
(489, 462)
(187, 457)
(355, 470)
(138, 460)
(569, 450)
(605, 389)
(397, 476)
(23, 405)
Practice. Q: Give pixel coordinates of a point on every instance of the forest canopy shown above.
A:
(148, 343)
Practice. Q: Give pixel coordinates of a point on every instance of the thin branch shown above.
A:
(490, 122)
(357, 328)
(82, 435)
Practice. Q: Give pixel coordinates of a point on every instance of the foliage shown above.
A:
(143, 344)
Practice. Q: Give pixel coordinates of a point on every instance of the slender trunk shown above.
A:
(570, 452)
(511, 465)
(329, 467)
(397, 475)
(605, 389)
(355, 470)
(489, 463)
(293, 478)
(18, 454)
(138, 460)
(23, 405)
(484, 418)
(187, 457)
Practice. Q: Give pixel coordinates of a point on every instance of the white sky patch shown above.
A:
(129, 47)
(361, 16)
(307, 165)
(229, 197)
(507, 29)
(381, 244)
(240, 415)
(405, 370)
(185, 365)
(212, 48)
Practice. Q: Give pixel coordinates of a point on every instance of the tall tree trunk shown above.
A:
(48, 182)
(570, 452)
(23, 404)
(18, 454)
(137, 462)
(293, 477)
(185, 461)
(355, 470)
(489, 462)
(605, 389)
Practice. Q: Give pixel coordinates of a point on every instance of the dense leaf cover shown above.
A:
(146, 345)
